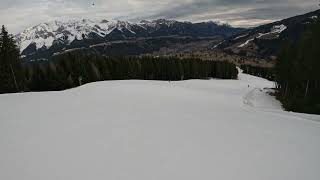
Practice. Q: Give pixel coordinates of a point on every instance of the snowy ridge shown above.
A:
(276, 30)
(44, 34)
(155, 23)
(246, 43)
(241, 36)
(215, 46)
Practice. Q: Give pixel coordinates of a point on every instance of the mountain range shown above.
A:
(57, 36)
(114, 38)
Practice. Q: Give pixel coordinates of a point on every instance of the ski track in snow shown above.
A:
(258, 100)
(142, 130)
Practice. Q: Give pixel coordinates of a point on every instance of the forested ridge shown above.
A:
(75, 68)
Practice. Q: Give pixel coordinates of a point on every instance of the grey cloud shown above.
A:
(231, 10)
(18, 14)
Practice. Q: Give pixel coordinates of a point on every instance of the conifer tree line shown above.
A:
(264, 72)
(71, 70)
(76, 68)
(298, 75)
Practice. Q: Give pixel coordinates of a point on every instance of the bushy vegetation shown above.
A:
(298, 75)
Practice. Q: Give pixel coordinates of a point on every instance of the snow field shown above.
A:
(142, 130)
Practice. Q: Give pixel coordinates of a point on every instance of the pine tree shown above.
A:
(10, 65)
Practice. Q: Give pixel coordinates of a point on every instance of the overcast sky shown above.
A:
(20, 14)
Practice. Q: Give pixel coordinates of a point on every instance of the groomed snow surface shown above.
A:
(151, 130)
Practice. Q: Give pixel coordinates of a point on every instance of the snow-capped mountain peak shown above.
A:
(45, 34)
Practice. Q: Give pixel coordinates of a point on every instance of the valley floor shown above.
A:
(157, 130)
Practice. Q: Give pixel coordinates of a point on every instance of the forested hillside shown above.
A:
(298, 75)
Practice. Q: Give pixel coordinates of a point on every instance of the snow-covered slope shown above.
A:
(142, 130)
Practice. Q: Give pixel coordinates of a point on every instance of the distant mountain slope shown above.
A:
(265, 41)
(57, 36)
